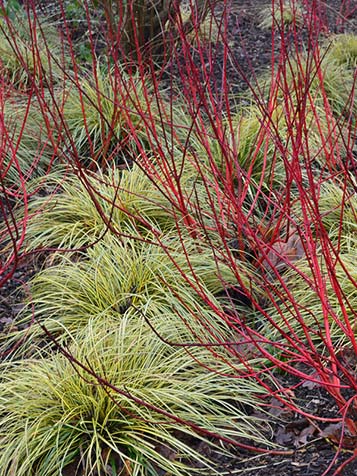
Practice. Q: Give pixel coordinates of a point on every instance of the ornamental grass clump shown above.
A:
(119, 201)
(120, 401)
(32, 142)
(254, 139)
(342, 49)
(105, 113)
(30, 49)
(160, 281)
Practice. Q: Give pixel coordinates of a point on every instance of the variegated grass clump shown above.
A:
(29, 146)
(128, 200)
(21, 62)
(338, 82)
(161, 282)
(56, 417)
(132, 201)
(342, 49)
(287, 13)
(106, 113)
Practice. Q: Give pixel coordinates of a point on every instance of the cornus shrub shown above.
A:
(223, 229)
(305, 322)
(305, 319)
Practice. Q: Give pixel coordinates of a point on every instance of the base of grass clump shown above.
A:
(129, 410)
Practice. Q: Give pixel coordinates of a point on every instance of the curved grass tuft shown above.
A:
(127, 199)
(123, 277)
(105, 114)
(343, 50)
(53, 414)
(31, 51)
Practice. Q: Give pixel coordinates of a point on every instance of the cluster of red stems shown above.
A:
(207, 92)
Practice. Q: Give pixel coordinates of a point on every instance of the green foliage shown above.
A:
(342, 49)
(133, 201)
(54, 414)
(75, 14)
(125, 277)
(21, 62)
(287, 13)
(102, 111)
(237, 149)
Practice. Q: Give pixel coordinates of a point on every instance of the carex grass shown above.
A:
(127, 277)
(129, 414)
